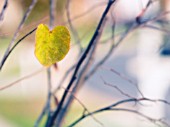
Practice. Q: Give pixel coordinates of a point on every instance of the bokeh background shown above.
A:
(21, 104)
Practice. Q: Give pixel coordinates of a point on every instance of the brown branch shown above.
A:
(21, 79)
(117, 88)
(10, 51)
(86, 110)
(112, 108)
(3, 10)
(11, 44)
(79, 64)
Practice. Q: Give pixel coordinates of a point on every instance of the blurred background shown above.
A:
(142, 58)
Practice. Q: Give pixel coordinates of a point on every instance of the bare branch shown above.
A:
(112, 108)
(157, 28)
(3, 10)
(127, 79)
(41, 116)
(52, 13)
(64, 78)
(86, 12)
(157, 122)
(81, 76)
(76, 36)
(117, 88)
(79, 64)
(109, 53)
(21, 79)
(9, 52)
(49, 95)
(16, 32)
(85, 108)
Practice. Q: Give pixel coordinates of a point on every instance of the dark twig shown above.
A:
(26, 27)
(85, 108)
(16, 32)
(41, 116)
(9, 52)
(123, 36)
(112, 107)
(101, 110)
(70, 69)
(72, 19)
(81, 76)
(3, 10)
(140, 16)
(79, 64)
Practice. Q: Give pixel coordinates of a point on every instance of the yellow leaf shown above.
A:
(51, 46)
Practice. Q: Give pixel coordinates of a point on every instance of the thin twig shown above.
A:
(152, 120)
(109, 53)
(72, 19)
(47, 107)
(127, 79)
(64, 78)
(16, 32)
(26, 27)
(9, 52)
(157, 28)
(142, 13)
(74, 31)
(38, 121)
(80, 80)
(101, 110)
(117, 88)
(56, 112)
(52, 13)
(87, 12)
(21, 79)
(112, 107)
(49, 95)
(3, 10)
(85, 108)
(51, 24)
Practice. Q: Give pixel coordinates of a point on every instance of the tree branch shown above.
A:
(51, 122)
(111, 108)
(76, 36)
(9, 52)
(16, 32)
(3, 10)
(21, 79)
